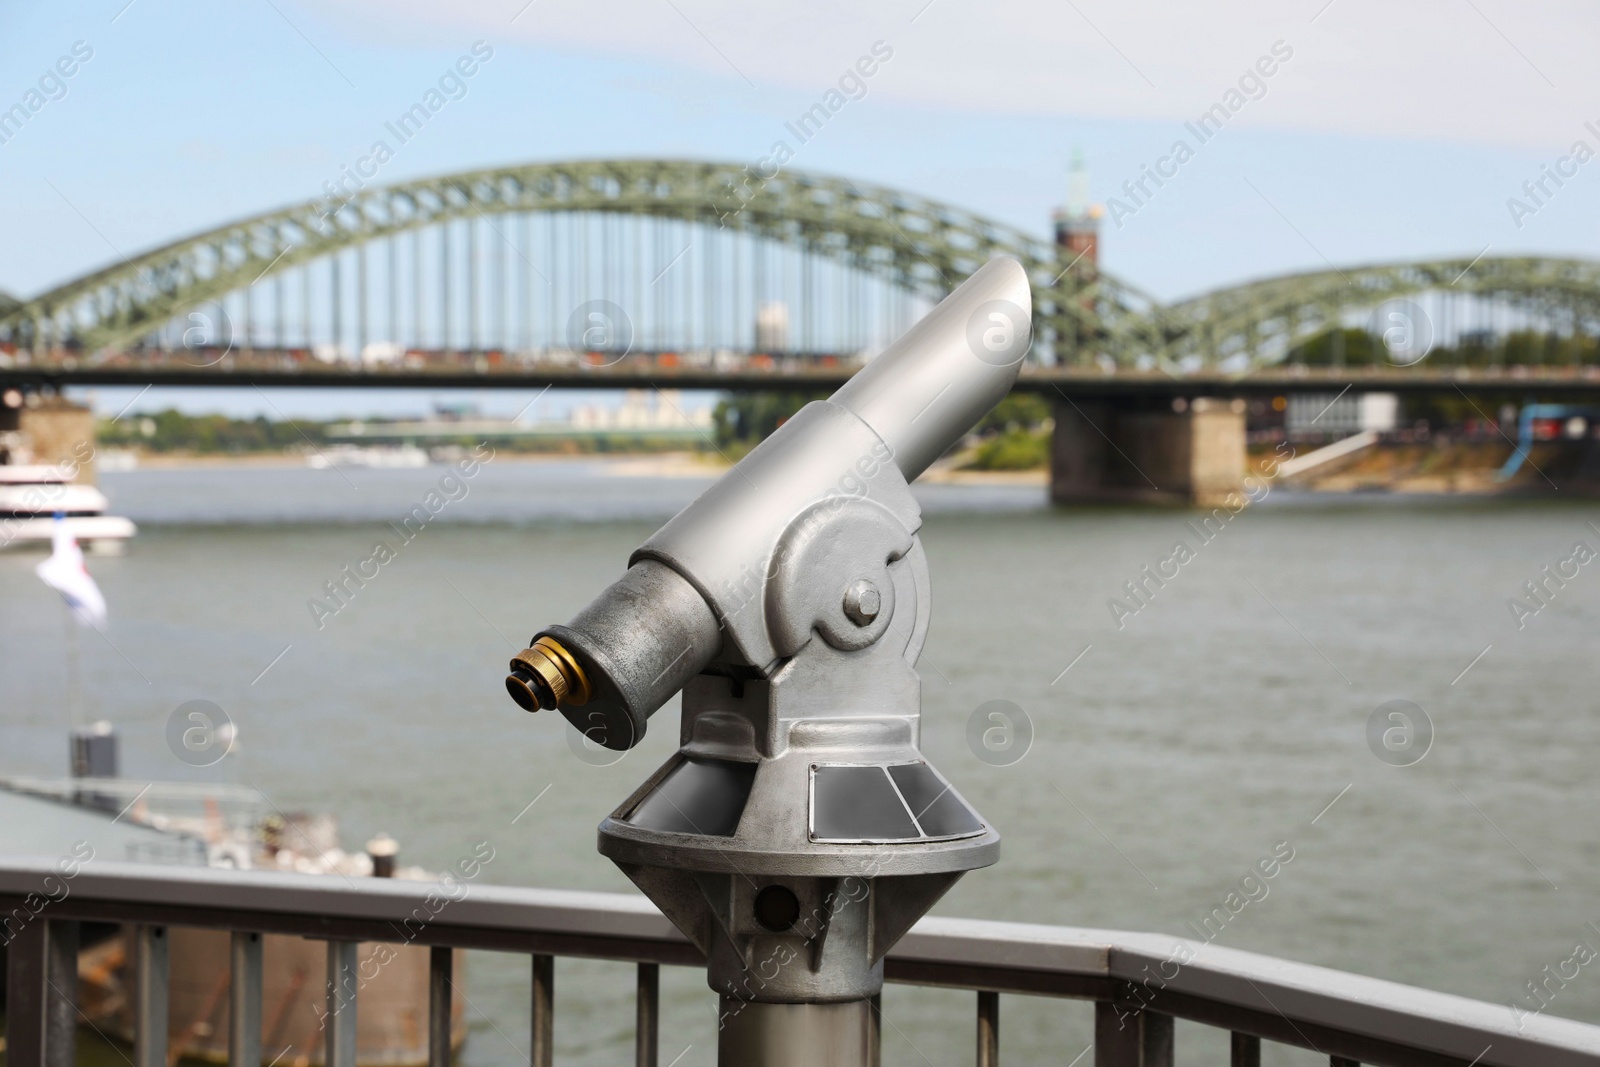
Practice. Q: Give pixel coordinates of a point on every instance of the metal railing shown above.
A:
(1139, 983)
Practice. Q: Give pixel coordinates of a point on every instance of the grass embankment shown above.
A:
(1010, 450)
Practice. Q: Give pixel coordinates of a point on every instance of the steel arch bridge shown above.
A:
(1264, 322)
(917, 246)
(698, 255)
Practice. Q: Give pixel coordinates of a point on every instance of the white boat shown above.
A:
(30, 496)
(373, 456)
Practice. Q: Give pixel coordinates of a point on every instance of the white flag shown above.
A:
(65, 573)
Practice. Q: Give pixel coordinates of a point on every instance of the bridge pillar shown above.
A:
(1183, 452)
(50, 431)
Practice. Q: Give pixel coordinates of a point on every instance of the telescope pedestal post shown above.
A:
(755, 1034)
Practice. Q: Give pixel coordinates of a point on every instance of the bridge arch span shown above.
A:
(916, 245)
(846, 251)
(1271, 320)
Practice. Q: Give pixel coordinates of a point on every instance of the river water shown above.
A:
(1222, 722)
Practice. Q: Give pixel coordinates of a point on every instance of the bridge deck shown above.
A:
(646, 370)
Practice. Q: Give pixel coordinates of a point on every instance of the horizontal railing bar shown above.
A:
(1301, 1033)
(370, 899)
(959, 975)
(1213, 985)
(1388, 1023)
(673, 951)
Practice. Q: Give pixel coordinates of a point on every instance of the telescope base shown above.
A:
(757, 1034)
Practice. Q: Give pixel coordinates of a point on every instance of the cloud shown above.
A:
(1478, 71)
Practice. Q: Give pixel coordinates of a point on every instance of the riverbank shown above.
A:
(621, 465)
(1427, 468)
(1444, 468)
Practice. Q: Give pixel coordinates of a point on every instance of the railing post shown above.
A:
(41, 993)
(544, 987)
(648, 1036)
(339, 1024)
(244, 1000)
(1135, 1037)
(26, 1037)
(150, 961)
(441, 999)
(61, 999)
(875, 1031)
(1246, 1050)
(988, 1028)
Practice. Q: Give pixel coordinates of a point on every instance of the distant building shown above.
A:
(376, 353)
(642, 410)
(772, 327)
(1078, 252)
(456, 410)
(1078, 223)
(1342, 413)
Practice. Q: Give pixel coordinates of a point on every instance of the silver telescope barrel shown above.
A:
(692, 593)
(925, 391)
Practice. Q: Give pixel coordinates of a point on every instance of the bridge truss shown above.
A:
(679, 256)
(1489, 310)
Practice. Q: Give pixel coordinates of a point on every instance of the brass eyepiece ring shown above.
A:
(547, 675)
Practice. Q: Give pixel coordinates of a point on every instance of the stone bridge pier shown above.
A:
(47, 430)
(1182, 452)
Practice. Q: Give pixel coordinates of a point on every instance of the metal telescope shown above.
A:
(798, 832)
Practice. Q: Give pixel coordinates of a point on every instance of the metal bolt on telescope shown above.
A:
(798, 832)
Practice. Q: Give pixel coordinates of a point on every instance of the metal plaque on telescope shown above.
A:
(867, 803)
(698, 796)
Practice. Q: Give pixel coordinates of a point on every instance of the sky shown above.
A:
(1356, 131)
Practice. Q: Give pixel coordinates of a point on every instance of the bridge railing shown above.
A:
(1138, 983)
(220, 362)
(725, 369)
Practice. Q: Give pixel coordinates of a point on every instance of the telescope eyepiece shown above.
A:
(547, 675)
(525, 688)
